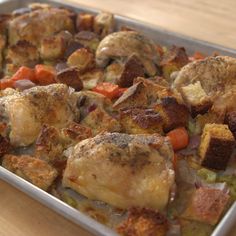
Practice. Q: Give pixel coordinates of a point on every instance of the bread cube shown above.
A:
(141, 121)
(34, 170)
(22, 53)
(104, 24)
(206, 205)
(195, 96)
(142, 222)
(88, 39)
(82, 59)
(135, 96)
(84, 21)
(133, 68)
(70, 77)
(173, 114)
(99, 121)
(52, 47)
(174, 59)
(216, 147)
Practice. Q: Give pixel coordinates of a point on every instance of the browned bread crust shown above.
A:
(34, 170)
(142, 222)
(216, 147)
(141, 121)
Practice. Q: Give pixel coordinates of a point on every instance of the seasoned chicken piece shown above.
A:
(214, 73)
(120, 45)
(216, 76)
(36, 171)
(142, 222)
(25, 112)
(122, 170)
(39, 24)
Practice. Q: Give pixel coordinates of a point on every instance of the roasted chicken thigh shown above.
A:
(122, 170)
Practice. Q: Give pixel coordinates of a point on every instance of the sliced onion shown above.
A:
(24, 84)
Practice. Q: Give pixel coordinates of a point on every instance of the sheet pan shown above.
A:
(160, 35)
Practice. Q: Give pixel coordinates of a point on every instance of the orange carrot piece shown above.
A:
(24, 73)
(44, 74)
(108, 89)
(179, 138)
(6, 83)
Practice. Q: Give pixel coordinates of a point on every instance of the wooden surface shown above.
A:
(210, 20)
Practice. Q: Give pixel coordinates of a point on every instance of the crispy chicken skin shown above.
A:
(39, 24)
(26, 112)
(123, 44)
(214, 73)
(122, 170)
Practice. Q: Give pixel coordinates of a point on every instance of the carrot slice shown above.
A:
(108, 89)
(179, 138)
(6, 83)
(44, 74)
(24, 73)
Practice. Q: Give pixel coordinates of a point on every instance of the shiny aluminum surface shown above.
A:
(158, 35)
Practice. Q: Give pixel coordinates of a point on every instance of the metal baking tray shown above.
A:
(158, 34)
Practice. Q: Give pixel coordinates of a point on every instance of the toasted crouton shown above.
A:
(52, 141)
(22, 53)
(70, 77)
(173, 113)
(142, 222)
(88, 39)
(50, 145)
(75, 133)
(84, 21)
(143, 93)
(34, 170)
(141, 121)
(231, 121)
(133, 68)
(216, 147)
(134, 96)
(173, 60)
(206, 205)
(104, 24)
(99, 121)
(52, 47)
(196, 98)
(82, 59)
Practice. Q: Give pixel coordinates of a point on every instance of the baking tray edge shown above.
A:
(163, 37)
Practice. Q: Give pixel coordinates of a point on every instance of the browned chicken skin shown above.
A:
(122, 170)
(39, 24)
(121, 45)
